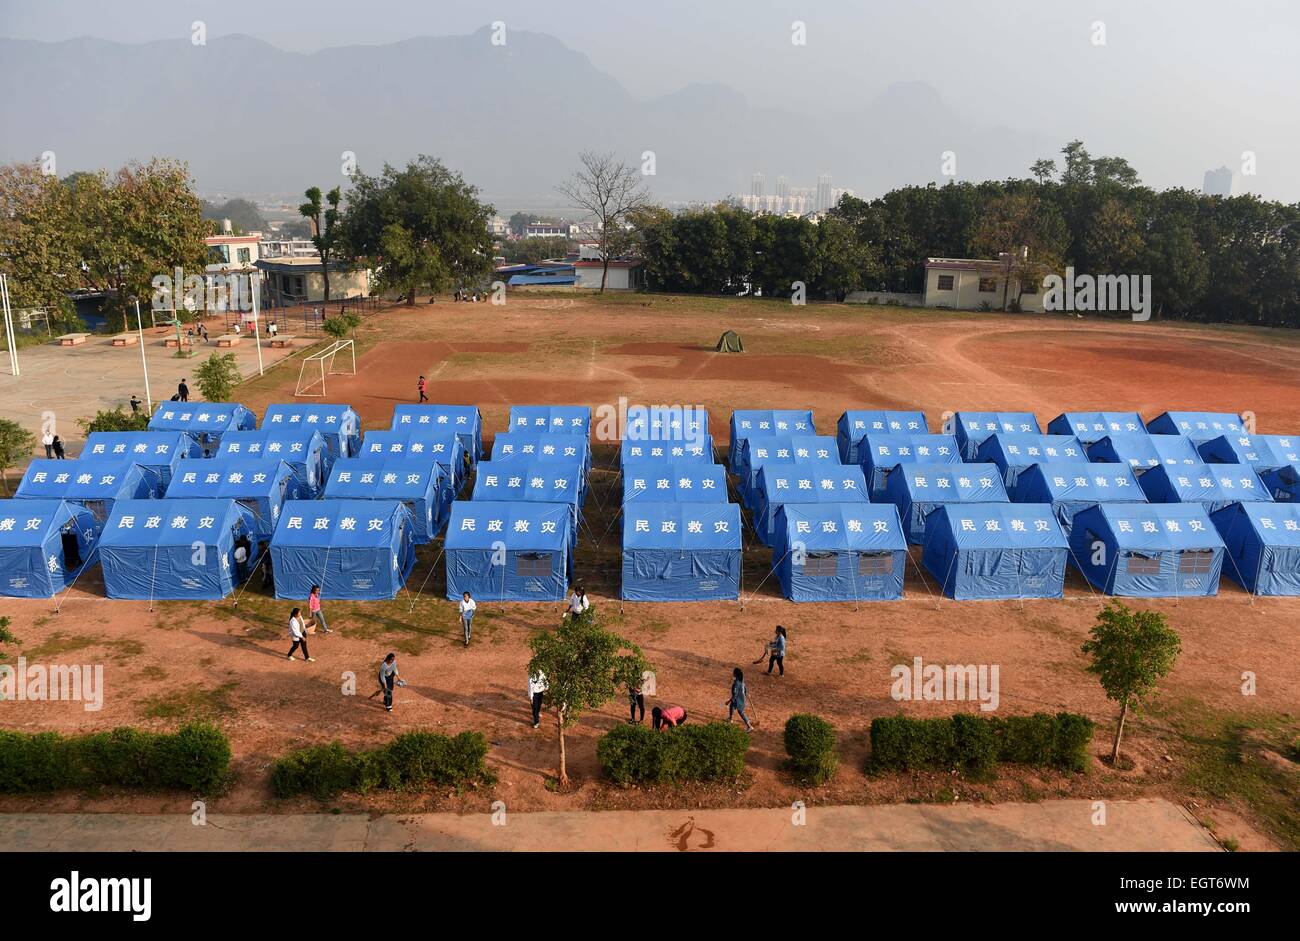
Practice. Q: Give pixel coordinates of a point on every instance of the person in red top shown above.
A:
(422, 385)
(667, 717)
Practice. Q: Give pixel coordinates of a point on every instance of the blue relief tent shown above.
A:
(765, 423)
(44, 545)
(996, 550)
(681, 552)
(839, 552)
(557, 419)
(156, 451)
(636, 452)
(305, 451)
(261, 486)
(445, 447)
(204, 422)
(1263, 546)
(689, 423)
(508, 551)
(1092, 426)
(1014, 454)
(339, 425)
(420, 485)
(465, 420)
(172, 549)
(1199, 426)
(96, 485)
(352, 549)
(781, 449)
(680, 482)
(544, 446)
(1212, 485)
(782, 484)
(878, 454)
(1262, 452)
(858, 423)
(972, 428)
(1142, 451)
(1148, 550)
(1283, 484)
(1070, 488)
(917, 490)
(533, 482)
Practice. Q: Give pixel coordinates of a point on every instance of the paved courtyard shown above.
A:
(1142, 825)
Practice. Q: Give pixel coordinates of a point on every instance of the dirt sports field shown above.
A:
(1229, 757)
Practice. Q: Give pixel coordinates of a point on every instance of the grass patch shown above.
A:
(151, 672)
(191, 702)
(60, 643)
(862, 656)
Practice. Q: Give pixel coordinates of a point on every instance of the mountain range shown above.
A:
(251, 118)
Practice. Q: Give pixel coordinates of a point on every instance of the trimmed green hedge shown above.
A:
(975, 744)
(412, 760)
(810, 743)
(636, 754)
(195, 758)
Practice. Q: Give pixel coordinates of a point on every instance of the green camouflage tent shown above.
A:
(730, 342)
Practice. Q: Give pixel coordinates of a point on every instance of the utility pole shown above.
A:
(9, 324)
(144, 362)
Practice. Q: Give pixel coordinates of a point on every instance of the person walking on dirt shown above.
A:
(467, 606)
(635, 701)
(423, 386)
(298, 634)
(313, 608)
(135, 404)
(537, 686)
(388, 678)
(57, 445)
(736, 704)
(47, 439)
(666, 717)
(183, 391)
(774, 651)
(578, 603)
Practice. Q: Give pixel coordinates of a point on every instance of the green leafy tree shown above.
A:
(531, 251)
(116, 420)
(1043, 170)
(585, 666)
(16, 443)
(419, 227)
(6, 635)
(844, 264)
(339, 327)
(1028, 236)
(218, 377)
(40, 236)
(1131, 651)
(244, 215)
(325, 227)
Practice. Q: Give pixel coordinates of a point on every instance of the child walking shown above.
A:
(736, 704)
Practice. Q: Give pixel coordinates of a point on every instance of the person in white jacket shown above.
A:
(467, 606)
(536, 688)
(298, 634)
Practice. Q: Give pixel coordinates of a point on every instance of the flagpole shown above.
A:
(257, 321)
(144, 362)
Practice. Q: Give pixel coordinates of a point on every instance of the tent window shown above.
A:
(876, 563)
(533, 564)
(1195, 562)
(1138, 564)
(821, 564)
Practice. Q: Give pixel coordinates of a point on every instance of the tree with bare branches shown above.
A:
(609, 190)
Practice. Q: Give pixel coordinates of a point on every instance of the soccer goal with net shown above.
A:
(316, 367)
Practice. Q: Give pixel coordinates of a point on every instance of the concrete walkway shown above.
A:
(1145, 825)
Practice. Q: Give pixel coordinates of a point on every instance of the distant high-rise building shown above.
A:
(756, 185)
(1221, 182)
(838, 193)
(782, 187)
(823, 192)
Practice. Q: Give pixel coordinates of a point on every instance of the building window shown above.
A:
(533, 564)
(218, 254)
(876, 563)
(821, 564)
(1195, 562)
(988, 285)
(945, 282)
(1138, 564)
(244, 255)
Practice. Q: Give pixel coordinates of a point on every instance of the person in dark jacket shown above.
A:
(183, 391)
(736, 703)
(58, 449)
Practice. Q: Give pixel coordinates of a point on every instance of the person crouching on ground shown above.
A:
(467, 607)
(298, 634)
(736, 703)
(667, 717)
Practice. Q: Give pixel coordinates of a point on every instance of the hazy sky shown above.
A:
(1179, 87)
